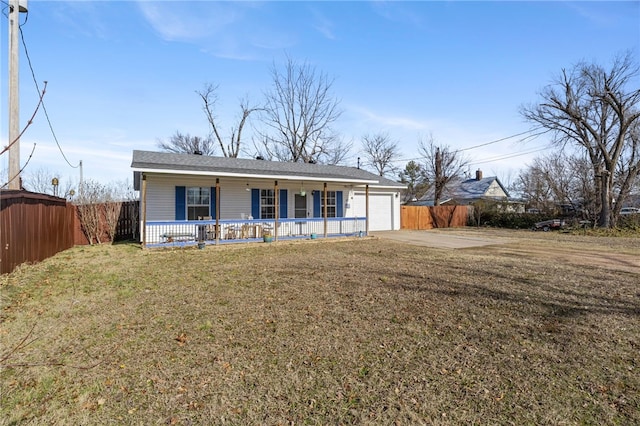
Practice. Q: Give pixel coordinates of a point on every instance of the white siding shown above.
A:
(161, 196)
(235, 199)
(495, 190)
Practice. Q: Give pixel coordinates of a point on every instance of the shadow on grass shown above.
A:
(125, 243)
(559, 302)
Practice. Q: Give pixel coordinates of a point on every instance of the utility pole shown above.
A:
(80, 187)
(438, 178)
(15, 7)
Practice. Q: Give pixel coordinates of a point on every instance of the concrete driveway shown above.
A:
(437, 238)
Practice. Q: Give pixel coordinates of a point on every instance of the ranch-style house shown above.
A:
(188, 198)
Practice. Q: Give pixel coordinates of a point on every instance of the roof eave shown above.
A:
(254, 175)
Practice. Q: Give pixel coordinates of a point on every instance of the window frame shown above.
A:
(332, 207)
(195, 204)
(267, 210)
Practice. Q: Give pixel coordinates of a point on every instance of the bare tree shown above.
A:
(533, 188)
(338, 153)
(299, 112)
(380, 152)
(89, 209)
(441, 165)
(41, 180)
(558, 179)
(209, 97)
(112, 209)
(583, 185)
(483, 208)
(112, 205)
(100, 207)
(187, 144)
(594, 109)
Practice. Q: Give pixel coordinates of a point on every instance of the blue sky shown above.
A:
(123, 74)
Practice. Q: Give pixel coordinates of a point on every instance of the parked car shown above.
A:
(629, 210)
(548, 225)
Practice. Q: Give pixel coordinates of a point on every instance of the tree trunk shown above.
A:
(605, 211)
(438, 191)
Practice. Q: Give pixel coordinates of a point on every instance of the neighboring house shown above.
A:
(632, 200)
(469, 191)
(241, 199)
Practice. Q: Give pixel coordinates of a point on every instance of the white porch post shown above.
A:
(217, 212)
(324, 212)
(366, 197)
(143, 198)
(277, 208)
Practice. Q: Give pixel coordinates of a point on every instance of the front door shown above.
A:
(300, 206)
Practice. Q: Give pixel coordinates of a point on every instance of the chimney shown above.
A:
(478, 174)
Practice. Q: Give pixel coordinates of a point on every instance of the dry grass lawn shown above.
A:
(361, 331)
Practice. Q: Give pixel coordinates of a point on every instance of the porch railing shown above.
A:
(191, 232)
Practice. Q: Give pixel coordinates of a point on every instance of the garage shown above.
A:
(381, 210)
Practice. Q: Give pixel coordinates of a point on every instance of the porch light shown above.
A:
(248, 189)
(302, 191)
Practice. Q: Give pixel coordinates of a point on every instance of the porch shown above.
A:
(232, 231)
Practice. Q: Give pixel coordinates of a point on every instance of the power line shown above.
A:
(29, 123)
(504, 139)
(507, 156)
(529, 134)
(11, 179)
(44, 108)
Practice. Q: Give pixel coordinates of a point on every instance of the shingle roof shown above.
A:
(469, 189)
(172, 162)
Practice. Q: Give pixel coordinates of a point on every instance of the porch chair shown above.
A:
(267, 228)
(231, 232)
(212, 231)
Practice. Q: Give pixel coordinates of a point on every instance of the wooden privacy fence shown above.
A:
(126, 226)
(35, 226)
(429, 217)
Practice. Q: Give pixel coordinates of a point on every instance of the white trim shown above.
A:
(254, 176)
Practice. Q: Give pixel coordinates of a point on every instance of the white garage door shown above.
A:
(380, 210)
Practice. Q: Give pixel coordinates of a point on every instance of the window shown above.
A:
(198, 200)
(267, 204)
(331, 204)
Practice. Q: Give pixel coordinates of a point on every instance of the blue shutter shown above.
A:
(181, 203)
(339, 206)
(212, 202)
(283, 203)
(255, 203)
(317, 206)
